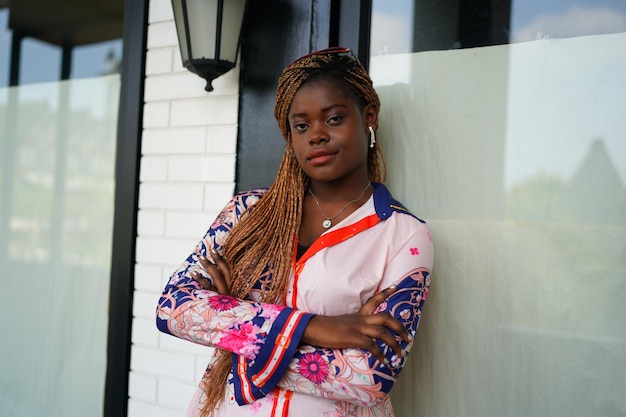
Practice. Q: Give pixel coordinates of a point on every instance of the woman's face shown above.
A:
(329, 132)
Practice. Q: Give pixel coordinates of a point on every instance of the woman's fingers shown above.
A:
(372, 347)
(378, 329)
(395, 326)
(354, 330)
(221, 265)
(216, 274)
(374, 301)
(204, 282)
(389, 322)
(218, 282)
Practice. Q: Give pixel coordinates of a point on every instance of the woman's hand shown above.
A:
(218, 271)
(360, 330)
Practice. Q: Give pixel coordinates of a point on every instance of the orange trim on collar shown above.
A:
(325, 240)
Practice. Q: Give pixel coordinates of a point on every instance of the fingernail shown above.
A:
(393, 286)
(194, 273)
(386, 361)
(202, 257)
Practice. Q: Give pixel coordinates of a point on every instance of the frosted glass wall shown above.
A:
(516, 157)
(57, 160)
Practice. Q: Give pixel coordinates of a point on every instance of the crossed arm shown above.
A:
(353, 357)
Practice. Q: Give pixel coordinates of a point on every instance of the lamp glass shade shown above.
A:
(208, 35)
(202, 15)
(181, 27)
(232, 20)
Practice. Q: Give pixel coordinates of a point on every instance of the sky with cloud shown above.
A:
(41, 62)
(571, 21)
(530, 20)
(538, 85)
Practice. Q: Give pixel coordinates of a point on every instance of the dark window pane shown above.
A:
(40, 62)
(406, 26)
(97, 59)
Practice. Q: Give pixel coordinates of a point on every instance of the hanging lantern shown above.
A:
(209, 32)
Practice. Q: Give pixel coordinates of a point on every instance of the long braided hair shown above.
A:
(264, 238)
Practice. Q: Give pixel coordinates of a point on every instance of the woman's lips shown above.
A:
(321, 157)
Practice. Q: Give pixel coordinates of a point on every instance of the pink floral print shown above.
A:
(313, 367)
(269, 359)
(223, 302)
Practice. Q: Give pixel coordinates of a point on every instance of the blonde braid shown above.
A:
(263, 240)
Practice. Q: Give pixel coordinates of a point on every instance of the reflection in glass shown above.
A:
(59, 96)
(412, 26)
(35, 52)
(41, 61)
(515, 155)
(566, 19)
(57, 159)
(98, 59)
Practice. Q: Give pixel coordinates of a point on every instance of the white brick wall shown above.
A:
(187, 175)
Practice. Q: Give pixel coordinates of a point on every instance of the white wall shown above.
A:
(187, 175)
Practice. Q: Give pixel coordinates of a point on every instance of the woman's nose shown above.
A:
(319, 134)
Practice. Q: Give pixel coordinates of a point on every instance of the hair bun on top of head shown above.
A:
(342, 62)
(337, 57)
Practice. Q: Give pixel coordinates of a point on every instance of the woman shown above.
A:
(312, 289)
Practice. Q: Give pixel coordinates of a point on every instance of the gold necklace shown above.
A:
(328, 221)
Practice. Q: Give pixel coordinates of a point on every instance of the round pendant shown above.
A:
(326, 223)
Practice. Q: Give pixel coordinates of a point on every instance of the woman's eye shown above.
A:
(299, 127)
(335, 120)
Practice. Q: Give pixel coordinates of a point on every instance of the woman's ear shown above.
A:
(370, 115)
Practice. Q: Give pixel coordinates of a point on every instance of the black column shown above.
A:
(126, 202)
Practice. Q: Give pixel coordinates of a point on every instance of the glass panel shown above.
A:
(87, 60)
(231, 27)
(97, 59)
(57, 211)
(534, 20)
(177, 7)
(57, 161)
(33, 53)
(412, 26)
(202, 27)
(392, 27)
(5, 47)
(515, 155)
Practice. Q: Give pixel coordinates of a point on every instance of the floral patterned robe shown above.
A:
(273, 374)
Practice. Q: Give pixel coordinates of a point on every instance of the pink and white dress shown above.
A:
(273, 374)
